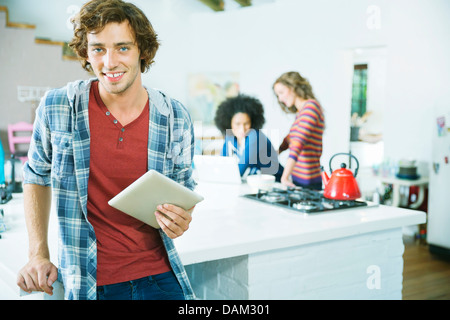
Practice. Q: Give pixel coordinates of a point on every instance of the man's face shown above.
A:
(114, 57)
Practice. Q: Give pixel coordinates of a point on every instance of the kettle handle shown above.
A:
(349, 154)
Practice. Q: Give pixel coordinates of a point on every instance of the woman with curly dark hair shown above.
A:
(240, 119)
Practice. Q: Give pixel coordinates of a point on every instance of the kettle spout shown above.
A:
(325, 177)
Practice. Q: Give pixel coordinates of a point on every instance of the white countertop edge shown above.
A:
(238, 249)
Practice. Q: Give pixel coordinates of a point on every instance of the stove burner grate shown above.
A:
(302, 200)
(305, 205)
(273, 197)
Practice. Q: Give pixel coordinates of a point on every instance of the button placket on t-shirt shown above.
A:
(121, 135)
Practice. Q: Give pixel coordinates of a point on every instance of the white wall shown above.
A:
(418, 75)
(315, 38)
(26, 63)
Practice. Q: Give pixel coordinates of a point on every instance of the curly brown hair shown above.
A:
(95, 14)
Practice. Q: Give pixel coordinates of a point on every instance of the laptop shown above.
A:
(141, 198)
(218, 169)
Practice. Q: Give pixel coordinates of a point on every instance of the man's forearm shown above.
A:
(37, 203)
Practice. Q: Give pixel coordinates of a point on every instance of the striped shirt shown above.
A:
(305, 144)
(59, 156)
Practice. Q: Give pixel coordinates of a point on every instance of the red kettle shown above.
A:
(342, 184)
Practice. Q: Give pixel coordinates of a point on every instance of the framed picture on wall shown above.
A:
(207, 90)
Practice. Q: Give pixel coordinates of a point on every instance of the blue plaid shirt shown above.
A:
(59, 157)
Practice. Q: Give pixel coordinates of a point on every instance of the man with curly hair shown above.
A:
(91, 140)
(240, 120)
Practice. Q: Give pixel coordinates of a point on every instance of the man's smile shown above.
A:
(113, 76)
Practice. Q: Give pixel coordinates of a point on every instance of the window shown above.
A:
(359, 89)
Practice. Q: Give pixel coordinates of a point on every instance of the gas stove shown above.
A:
(303, 200)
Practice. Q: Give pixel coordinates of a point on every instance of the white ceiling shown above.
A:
(51, 16)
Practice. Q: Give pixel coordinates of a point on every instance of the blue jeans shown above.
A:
(162, 286)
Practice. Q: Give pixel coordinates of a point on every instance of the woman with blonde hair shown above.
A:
(295, 95)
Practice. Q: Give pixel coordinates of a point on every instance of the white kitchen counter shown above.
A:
(238, 248)
(14, 250)
(227, 225)
(235, 236)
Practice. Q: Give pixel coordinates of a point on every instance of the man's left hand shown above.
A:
(173, 220)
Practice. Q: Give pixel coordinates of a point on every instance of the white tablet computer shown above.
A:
(141, 198)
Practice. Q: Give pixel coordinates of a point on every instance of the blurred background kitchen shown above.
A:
(380, 69)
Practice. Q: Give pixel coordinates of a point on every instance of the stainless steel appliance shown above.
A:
(304, 200)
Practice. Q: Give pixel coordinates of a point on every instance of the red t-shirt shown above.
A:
(127, 248)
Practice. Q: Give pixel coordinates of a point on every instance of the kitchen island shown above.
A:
(237, 248)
